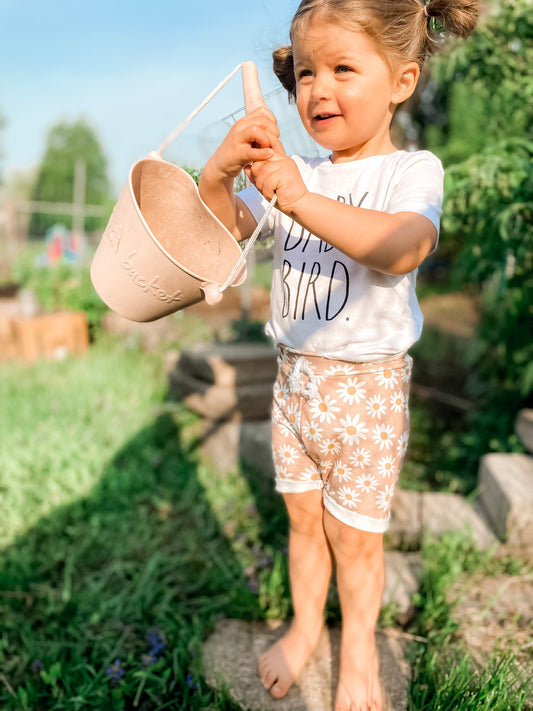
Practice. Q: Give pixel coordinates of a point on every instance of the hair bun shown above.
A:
(283, 63)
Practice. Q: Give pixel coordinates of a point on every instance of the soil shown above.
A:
(496, 612)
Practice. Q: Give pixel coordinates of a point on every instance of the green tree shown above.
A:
(485, 84)
(487, 147)
(66, 142)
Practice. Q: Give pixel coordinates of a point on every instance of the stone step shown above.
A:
(231, 654)
(256, 445)
(415, 514)
(402, 582)
(243, 402)
(231, 364)
(524, 428)
(442, 512)
(506, 494)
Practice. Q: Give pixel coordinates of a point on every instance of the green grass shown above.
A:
(114, 534)
(111, 528)
(445, 677)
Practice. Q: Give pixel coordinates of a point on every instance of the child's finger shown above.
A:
(257, 136)
(264, 117)
(259, 155)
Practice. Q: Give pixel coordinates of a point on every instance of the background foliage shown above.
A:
(66, 143)
(486, 144)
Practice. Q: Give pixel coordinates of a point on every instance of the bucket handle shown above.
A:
(253, 99)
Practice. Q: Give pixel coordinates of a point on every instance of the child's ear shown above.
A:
(406, 81)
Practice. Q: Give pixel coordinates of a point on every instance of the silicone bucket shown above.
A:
(163, 249)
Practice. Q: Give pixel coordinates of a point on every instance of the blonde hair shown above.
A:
(403, 30)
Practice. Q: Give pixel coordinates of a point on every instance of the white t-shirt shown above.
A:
(322, 302)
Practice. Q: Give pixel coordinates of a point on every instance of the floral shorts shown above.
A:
(342, 427)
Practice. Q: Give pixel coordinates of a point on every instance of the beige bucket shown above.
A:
(163, 249)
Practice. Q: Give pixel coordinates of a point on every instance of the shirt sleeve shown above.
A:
(257, 205)
(418, 187)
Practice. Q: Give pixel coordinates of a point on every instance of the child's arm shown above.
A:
(390, 243)
(250, 139)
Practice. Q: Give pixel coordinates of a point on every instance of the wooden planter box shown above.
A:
(54, 335)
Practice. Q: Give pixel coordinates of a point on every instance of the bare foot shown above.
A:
(359, 688)
(282, 664)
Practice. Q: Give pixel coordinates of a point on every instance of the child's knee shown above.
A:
(306, 511)
(349, 543)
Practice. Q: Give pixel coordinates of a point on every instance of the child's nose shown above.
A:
(321, 87)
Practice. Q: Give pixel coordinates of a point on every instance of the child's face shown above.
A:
(345, 91)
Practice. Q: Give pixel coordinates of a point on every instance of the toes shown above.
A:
(267, 678)
(279, 689)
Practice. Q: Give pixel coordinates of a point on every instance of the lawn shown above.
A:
(119, 550)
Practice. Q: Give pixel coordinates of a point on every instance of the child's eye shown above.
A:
(343, 69)
(304, 73)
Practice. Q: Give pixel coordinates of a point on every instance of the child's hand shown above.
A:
(279, 174)
(252, 138)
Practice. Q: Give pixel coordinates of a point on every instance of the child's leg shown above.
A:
(309, 572)
(360, 579)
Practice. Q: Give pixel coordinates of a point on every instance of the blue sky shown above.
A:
(133, 70)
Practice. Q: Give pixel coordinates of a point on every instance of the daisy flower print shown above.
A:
(360, 458)
(386, 466)
(281, 392)
(310, 474)
(329, 447)
(341, 472)
(375, 406)
(352, 430)
(287, 454)
(351, 392)
(324, 410)
(292, 413)
(383, 436)
(407, 370)
(384, 497)
(397, 401)
(387, 379)
(366, 483)
(312, 431)
(402, 443)
(348, 497)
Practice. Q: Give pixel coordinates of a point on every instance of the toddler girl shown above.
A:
(350, 232)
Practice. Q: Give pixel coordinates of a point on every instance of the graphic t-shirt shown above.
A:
(322, 302)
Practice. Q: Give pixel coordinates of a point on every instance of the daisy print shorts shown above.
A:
(342, 427)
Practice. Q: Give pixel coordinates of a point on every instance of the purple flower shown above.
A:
(157, 641)
(188, 681)
(115, 672)
(37, 666)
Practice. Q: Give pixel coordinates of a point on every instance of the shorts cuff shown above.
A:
(287, 486)
(355, 520)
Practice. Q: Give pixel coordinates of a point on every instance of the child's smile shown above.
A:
(345, 90)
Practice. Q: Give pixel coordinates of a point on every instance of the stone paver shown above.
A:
(256, 445)
(442, 512)
(506, 493)
(402, 581)
(524, 428)
(231, 364)
(231, 656)
(251, 401)
(405, 530)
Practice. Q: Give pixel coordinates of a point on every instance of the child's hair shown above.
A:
(403, 30)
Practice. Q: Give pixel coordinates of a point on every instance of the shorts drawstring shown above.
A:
(302, 367)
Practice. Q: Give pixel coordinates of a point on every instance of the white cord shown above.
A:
(176, 132)
(172, 137)
(249, 246)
